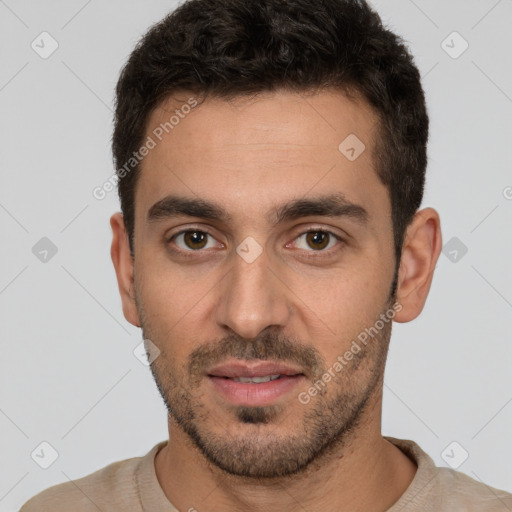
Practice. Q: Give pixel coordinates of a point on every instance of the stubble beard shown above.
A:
(259, 450)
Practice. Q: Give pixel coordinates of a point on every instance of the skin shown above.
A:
(250, 156)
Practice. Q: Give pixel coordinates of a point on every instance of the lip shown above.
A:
(254, 394)
(255, 369)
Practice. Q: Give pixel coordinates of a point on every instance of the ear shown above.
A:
(420, 252)
(123, 264)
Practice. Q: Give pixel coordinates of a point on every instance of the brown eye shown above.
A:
(316, 240)
(193, 240)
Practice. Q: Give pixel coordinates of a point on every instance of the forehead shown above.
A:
(250, 154)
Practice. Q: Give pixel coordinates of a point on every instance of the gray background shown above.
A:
(68, 374)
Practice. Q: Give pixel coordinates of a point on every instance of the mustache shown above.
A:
(268, 346)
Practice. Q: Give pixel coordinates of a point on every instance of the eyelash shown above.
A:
(316, 254)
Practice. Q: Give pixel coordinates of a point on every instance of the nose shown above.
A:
(252, 298)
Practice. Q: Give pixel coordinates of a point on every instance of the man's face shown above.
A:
(264, 283)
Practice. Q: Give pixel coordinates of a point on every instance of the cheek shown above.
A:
(341, 304)
(346, 297)
(170, 292)
(174, 306)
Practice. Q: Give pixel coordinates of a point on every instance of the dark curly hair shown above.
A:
(229, 48)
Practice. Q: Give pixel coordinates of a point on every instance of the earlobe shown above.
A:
(420, 252)
(123, 264)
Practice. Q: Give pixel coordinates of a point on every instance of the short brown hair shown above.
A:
(226, 48)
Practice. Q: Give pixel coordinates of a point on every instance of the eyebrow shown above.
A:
(332, 205)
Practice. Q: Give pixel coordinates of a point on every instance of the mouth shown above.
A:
(254, 384)
(254, 380)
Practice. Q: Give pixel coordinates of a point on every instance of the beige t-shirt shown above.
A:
(132, 486)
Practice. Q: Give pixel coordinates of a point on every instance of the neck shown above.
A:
(365, 472)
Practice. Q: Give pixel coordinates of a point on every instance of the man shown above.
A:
(271, 160)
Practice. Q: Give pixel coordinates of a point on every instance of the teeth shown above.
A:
(256, 380)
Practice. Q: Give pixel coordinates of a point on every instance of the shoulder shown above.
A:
(443, 489)
(456, 489)
(115, 484)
